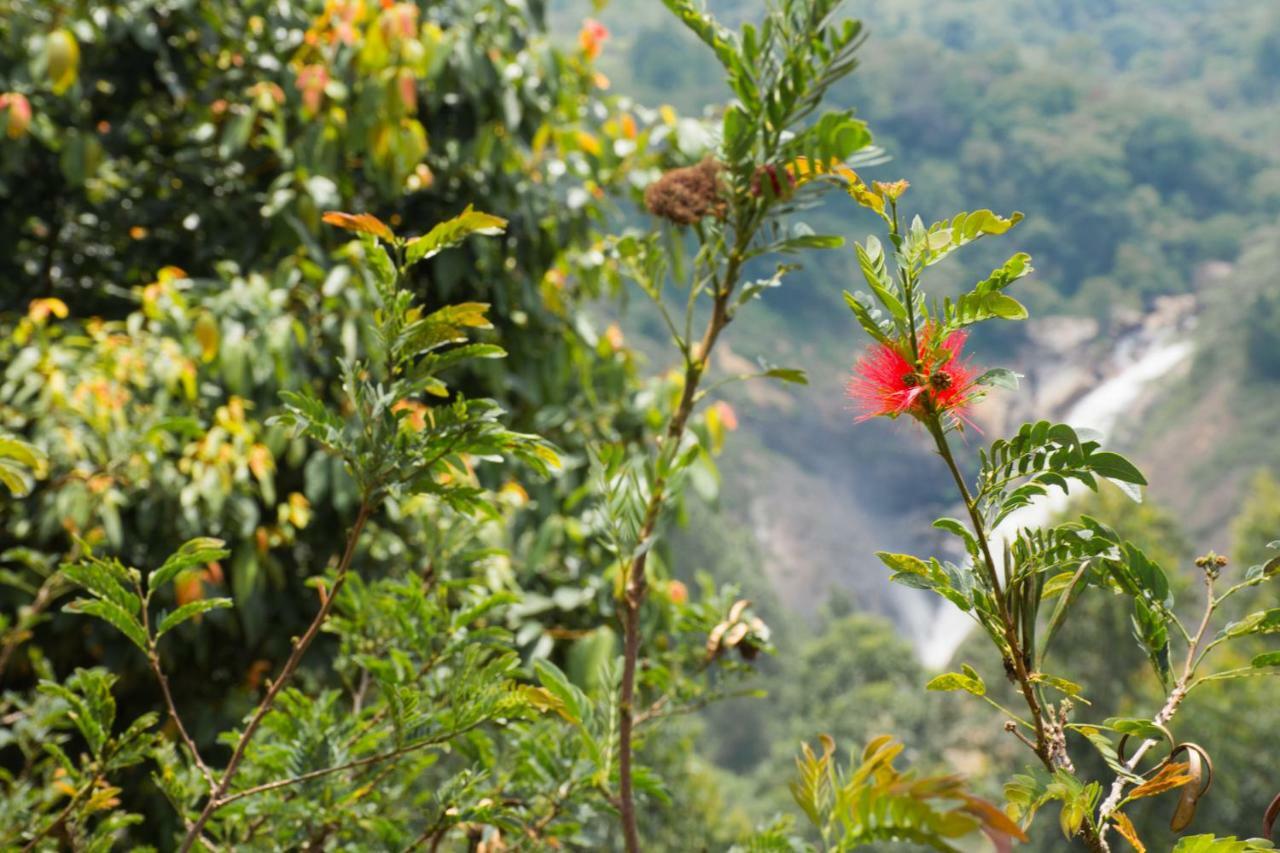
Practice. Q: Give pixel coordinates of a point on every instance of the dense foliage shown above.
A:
(337, 511)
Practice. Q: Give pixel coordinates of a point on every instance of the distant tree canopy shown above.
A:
(1262, 335)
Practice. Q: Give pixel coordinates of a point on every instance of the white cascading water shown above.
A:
(1098, 410)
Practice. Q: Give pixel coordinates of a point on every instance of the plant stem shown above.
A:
(153, 658)
(13, 639)
(63, 815)
(350, 765)
(1180, 689)
(1007, 627)
(1050, 751)
(300, 647)
(636, 584)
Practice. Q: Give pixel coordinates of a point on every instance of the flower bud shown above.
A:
(772, 182)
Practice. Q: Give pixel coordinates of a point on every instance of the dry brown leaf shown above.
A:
(1173, 775)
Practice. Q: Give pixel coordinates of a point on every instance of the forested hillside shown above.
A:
(479, 425)
(1140, 141)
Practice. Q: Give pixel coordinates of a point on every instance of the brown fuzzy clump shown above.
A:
(688, 194)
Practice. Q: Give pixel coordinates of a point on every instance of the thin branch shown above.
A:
(636, 582)
(350, 765)
(153, 659)
(44, 597)
(295, 657)
(62, 815)
(1180, 690)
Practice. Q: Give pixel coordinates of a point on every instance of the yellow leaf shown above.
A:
(588, 143)
(545, 700)
(261, 462)
(62, 59)
(803, 170)
(206, 332)
(866, 197)
(40, 310)
(299, 513)
(1125, 827)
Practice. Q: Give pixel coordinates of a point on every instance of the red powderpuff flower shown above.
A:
(886, 383)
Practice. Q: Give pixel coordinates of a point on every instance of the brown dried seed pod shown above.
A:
(686, 195)
(714, 638)
(736, 634)
(1200, 769)
(1269, 819)
(738, 608)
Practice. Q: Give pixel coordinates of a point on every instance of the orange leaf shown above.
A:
(1170, 776)
(364, 223)
(1125, 827)
(993, 818)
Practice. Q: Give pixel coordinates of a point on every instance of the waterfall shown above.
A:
(1098, 410)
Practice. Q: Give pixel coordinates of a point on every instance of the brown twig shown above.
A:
(22, 630)
(636, 583)
(62, 815)
(1180, 688)
(350, 765)
(153, 659)
(286, 673)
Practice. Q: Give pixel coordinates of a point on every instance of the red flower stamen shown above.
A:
(885, 383)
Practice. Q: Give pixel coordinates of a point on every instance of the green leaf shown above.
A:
(192, 553)
(1266, 659)
(809, 241)
(451, 232)
(111, 612)
(576, 706)
(80, 713)
(188, 611)
(943, 238)
(968, 680)
(103, 578)
(840, 136)
(446, 326)
(905, 563)
(1261, 622)
(1005, 306)
(1135, 727)
(788, 374)
(1113, 466)
(986, 300)
(1211, 844)
(863, 314)
(1000, 377)
(1148, 575)
(15, 478)
(20, 451)
(1062, 685)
